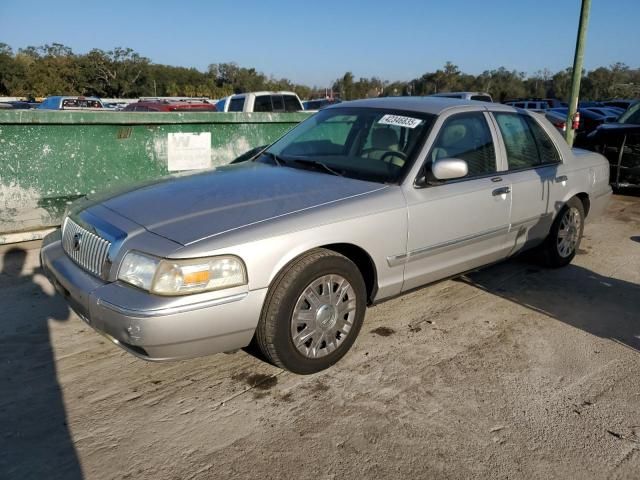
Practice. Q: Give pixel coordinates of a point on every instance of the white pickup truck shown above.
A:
(261, 102)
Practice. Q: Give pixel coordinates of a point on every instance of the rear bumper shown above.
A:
(150, 326)
(599, 203)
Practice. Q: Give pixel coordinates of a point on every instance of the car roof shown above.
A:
(433, 105)
(263, 93)
(76, 97)
(444, 94)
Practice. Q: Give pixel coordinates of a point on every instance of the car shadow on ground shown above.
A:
(600, 305)
(35, 441)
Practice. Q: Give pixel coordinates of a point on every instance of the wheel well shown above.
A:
(364, 263)
(586, 203)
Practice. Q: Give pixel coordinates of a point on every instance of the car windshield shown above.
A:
(631, 116)
(369, 144)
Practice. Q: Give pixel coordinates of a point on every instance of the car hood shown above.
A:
(190, 208)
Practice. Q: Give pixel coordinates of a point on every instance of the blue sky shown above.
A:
(316, 42)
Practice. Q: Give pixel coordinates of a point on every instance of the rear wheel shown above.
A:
(566, 232)
(312, 313)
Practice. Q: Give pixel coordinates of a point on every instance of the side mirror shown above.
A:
(449, 168)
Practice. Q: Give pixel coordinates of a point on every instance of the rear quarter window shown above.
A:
(292, 104)
(236, 104)
(526, 142)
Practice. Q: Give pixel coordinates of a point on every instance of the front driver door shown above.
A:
(460, 224)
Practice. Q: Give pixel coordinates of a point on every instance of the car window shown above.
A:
(262, 103)
(466, 136)
(518, 105)
(236, 104)
(631, 116)
(69, 103)
(278, 103)
(332, 133)
(220, 105)
(520, 143)
(291, 104)
(481, 98)
(546, 148)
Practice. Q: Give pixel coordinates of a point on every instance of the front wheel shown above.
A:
(565, 235)
(313, 312)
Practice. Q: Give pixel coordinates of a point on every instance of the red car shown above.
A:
(170, 106)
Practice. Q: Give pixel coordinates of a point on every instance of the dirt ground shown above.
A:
(514, 371)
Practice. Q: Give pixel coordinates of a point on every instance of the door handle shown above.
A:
(562, 178)
(501, 191)
(496, 179)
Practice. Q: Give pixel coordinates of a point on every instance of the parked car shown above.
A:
(557, 119)
(262, 102)
(361, 202)
(529, 105)
(620, 143)
(477, 96)
(117, 106)
(170, 106)
(222, 104)
(23, 105)
(535, 103)
(587, 104)
(611, 112)
(70, 103)
(624, 104)
(589, 120)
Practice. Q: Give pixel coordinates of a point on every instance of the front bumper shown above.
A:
(150, 326)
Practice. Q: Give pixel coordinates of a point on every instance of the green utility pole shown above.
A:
(577, 69)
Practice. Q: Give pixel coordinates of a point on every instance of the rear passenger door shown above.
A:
(533, 177)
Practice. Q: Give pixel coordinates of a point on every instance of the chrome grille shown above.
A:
(84, 247)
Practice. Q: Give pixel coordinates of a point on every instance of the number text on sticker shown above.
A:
(400, 121)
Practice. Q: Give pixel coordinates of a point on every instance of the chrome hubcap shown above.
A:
(323, 316)
(569, 232)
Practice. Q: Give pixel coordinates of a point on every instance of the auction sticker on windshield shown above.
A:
(400, 121)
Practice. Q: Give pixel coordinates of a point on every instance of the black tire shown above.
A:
(552, 255)
(273, 334)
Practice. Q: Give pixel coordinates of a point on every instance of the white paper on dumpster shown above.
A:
(189, 151)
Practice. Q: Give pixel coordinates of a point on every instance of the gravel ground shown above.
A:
(514, 371)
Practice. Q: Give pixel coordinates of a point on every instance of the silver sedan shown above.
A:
(361, 202)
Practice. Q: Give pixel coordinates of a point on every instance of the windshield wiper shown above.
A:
(316, 163)
(274, 157)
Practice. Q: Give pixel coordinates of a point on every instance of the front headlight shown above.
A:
(182, 277)
(138, 269)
